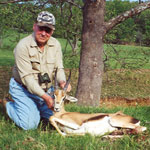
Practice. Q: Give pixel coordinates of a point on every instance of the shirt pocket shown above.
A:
(35, 62)
(50, 65)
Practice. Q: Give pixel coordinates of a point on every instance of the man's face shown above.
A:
(42, 33)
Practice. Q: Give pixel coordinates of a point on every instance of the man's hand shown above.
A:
(49, 101)
(62, 85)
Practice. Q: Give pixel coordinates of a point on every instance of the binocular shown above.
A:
(44, 78)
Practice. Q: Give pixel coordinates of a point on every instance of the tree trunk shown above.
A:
(91, 63)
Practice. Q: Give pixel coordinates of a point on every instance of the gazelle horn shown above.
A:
(68, 81)
(55, 80)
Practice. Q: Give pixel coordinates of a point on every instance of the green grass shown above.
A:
(126, 83)
(6, 58)
(119, 56)
(123, 82)
(11, 137)
(127, 57)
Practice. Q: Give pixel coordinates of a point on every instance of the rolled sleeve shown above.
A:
(33, 86)
(25, 70)
(30, 61)
(22, 61)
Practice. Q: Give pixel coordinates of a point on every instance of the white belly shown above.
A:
(96, 128)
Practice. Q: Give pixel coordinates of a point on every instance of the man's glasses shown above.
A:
(46, 29)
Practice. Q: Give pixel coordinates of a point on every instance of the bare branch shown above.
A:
(70, 16)
(128, 14)
(53, 1)
(73, 3)
(15, 1)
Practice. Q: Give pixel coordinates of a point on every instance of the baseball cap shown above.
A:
(46, 19)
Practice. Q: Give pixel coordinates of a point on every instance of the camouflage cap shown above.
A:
(46, 19)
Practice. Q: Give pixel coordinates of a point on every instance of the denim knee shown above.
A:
(30, 122)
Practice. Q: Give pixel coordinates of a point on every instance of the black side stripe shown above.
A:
(95, 118)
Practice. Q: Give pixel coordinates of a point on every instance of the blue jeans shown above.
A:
(27, 108)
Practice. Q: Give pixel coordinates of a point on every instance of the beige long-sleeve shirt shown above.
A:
(29, 61)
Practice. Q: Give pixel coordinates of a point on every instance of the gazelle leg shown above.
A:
(52, 120)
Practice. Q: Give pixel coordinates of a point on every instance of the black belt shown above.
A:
(21, 84)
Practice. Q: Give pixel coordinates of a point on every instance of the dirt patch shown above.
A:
(109, 82)
(5, 75)
(118, 101)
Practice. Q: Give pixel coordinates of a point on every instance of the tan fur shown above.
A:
(116, 119)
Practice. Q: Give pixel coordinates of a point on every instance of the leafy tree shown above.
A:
(125, 31)
(91, 62)
(143, 28)
(18, 17)
(94, 29)
(68, 26)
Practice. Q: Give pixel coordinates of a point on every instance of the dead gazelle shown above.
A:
(97, 124)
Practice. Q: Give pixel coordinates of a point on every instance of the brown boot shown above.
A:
(5, 100)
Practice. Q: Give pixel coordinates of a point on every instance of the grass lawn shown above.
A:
(6, 58)
(11, 137)
(126, 75)
(118, 56)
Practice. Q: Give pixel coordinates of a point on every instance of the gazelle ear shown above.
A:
(71, 98)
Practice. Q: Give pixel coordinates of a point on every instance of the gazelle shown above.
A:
(97, 124)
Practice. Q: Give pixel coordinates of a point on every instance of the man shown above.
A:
(36, 57)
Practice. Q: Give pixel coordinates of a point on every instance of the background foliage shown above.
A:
(17, 20)
(21, 16)
(119, 78)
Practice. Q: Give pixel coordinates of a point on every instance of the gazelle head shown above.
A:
(61, 94)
